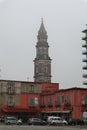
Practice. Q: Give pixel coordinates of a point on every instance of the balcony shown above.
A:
(32, 106)
(84, 75)
(50, 105)
(84, 60)
(84, 45)
(10, 104)
(57, 104)
(84, 38)
(42, 105)
(84, 52)
(11, 91)
(84, 68)
(67, 103)
(84, 82)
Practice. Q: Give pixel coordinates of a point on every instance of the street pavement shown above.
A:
(27, 127)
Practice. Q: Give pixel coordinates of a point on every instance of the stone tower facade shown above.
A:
(42, 62)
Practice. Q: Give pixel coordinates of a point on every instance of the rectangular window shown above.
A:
(10, 101)
(32, 102)
(50, 99)
(57, 103)
(85, 98)
(42, 99)
(11, 88)
(43, 102)
(31, 88)
(50, 104)
(68, 98)
(58, 100)
(62, 98)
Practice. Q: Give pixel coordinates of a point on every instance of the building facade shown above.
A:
(21, 98)
(66, 103)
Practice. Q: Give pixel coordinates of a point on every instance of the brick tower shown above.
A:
(42, 62)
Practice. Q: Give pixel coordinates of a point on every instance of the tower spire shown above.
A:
(42, 28)
(42, 33)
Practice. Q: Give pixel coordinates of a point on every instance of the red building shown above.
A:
(67, 103)
(35, 99)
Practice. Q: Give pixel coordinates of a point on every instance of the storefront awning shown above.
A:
(68, 111)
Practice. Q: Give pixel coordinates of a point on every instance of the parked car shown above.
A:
(76, 122)
(85, 117)
(55, 120)
(65, 122)
(85, 121)
(19, 122)
(36, 121)
(2, 119)
(12, 120)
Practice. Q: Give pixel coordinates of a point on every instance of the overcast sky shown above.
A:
(64, 21)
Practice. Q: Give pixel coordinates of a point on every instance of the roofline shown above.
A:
(73, 88)
(22, 81)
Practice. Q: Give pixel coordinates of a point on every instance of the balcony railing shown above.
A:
(84, 52)
(84, 45)
(57, 105)
(84, 38)
(67, 103)
(84, 60)
(50, 105)
(31, 105)
(85, 82)
(84, 75)
(11, 92)
(85, 67)
(10, 104)
(42, 105)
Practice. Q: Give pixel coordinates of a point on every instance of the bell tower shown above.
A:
(42, 62)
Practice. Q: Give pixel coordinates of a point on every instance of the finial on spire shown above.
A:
(42, 19)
